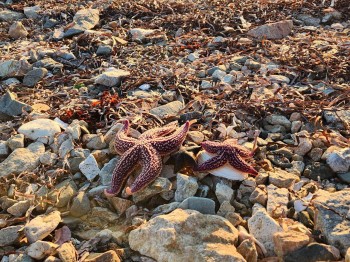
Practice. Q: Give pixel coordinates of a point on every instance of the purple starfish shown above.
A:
(227, 151)
(146, 151)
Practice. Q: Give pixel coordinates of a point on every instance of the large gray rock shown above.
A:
(43, 129)
(10, 235)
(83, 20)
(8, 15)
(42, 226)
(276, 30)
(14, 68)
(10, 107)
(31, 11)
(22, 159)
(332, 217)
(34, 76)
(186, 235)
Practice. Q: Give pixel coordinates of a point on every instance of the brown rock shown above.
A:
(276, 30)
(289, 241)
(109, 256)
(248, 250)
(67, 252)
(347, 255)
(17, 30)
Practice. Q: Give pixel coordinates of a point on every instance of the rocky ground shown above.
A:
(70, 70)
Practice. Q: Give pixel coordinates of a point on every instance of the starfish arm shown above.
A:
(122, 141)
(157, 132)
(243, 152)
(213, 163)
(167, 145)
(237, 162)
(213, 147)
(151, 162)
(125, 166)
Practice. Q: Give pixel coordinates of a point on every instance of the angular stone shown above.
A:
(289, 241)
(83, 20)
(63, 193)
(81, 205)
(104, 50)
(31, 11)
(111, 77)
(17, 30)
(42, 226)
(186, 187)
(109, 256)
(120, 204)
(169, 109)
(158, 186)
(10, 235)
(67, 252)
(10, 107)
(4, 149)
(107, 171)
(259, 195)
(304, 146)
(40, 129)
(104, 214)
(339, 161)
(16, 141)
(14, 68)
(277, 201)
(94, 141)
(89, 167)
(41, 249)
(34, 76)
(278, 79)
(281, 178)
(22, 159)
(276, 30)
(140, 34)
(200, 204)
(248, 250)
(279, 120)
(313, 252)
(186, 235)
(9, 16)
(223, 192)
(19, 209)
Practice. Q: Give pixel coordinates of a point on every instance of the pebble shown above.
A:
(41, 226)
(196, 136)
(277, 30)
(14, 68)
(84, 19)
(259, 195)
(309, 20)
(315, 154)
(16, 141)
(63, 193)
(104, 50)
(200, 204)
(107, 171)
(94, 141)
(4, 149)
(17, 30)
(140, 34)
(81, 205)
(296, 125)
(120, 204)
(10, 107)
(344, 177)
(318, 170)
(8, 15)
(159, 185)
(43, 129)
(104, 214)
(218, 75)
(279, 120)
(10, 235)
(186, 187)
(111, 77)
(193, 56)
(247, 249)
(223, 192)
(109, 256)
(19, 208)
(89, 167)
(34, 76)
(304, 146)
(40, 249)
(297, 168)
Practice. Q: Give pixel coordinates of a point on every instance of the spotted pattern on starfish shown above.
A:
(145, 151)
(227, 151)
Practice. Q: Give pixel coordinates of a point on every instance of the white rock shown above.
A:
(186, 187)
(226, 171)
(89, 167)
(263, 227)
(66, 147)
(139, 34)
(41, 249)
(48, 158)
(40, 128)
(112, 77)
(277, 201)
(223, 192)
(42, 226)
(339, 161)
(279, 79)
(16, 141)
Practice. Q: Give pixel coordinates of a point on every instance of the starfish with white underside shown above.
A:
(227, 151)
(146, 151)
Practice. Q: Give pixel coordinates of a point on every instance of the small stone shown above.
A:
(19, 209)
(296, 125)
(34, 76)
(218, 75)
(83, 20)
(295, 116)
(248, 250)
(10, 107)
(312, 253)
(140, 34)
(315, 154)
(65, 148)
(40, 128)
(263, 227)
(196, 136)
(81, 205)
(259, 195)
(104, 214)
(169, 109)
(31, 11)
(276, 30)
(109, 256)
(66, 55)
(253, 65)
(206, 84)
(277, 201)
(41, 226)
(41, 249)
(67, 252)
(17, 30)
(229, 79)
(317, 171)
(4, 149)
(344, 177)
(309, 20)
(107, 171)
(89, 167)
(104, 50)
(223, 192)
(63, 193)
(200, 204)
(339, 161)
(193, 56)
(281, 178)
(16, 141)
(94, 141)
(120, 204)
(14, 68)
(48, 158)
(49, 64)
(111, 77)
(289, 241)
(159, 185)
(347, 255)
(305, 145)
(279, 120)
(297, 168)
(225, 208)
(10, 235)
(186, 187)
(234, 218)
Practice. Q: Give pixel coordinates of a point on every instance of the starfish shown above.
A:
(147, 151)
(227, 151)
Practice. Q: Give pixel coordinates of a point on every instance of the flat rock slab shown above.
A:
(40, 128)
(22, 159)
(14, 68)
(170, 109)
(10, 107)
(186, 235)
(112, 77)
(42, 226)
(83, 20)
(276, 30)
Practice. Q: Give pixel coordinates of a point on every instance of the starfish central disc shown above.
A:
(146, 151)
